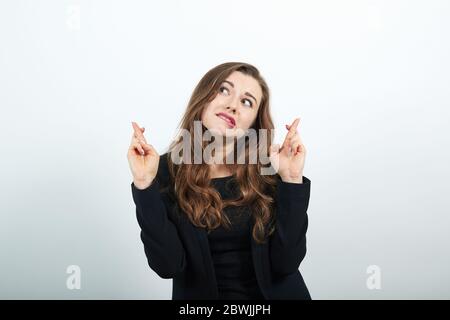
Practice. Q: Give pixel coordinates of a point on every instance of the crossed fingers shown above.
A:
(292, 140)
(138, 139)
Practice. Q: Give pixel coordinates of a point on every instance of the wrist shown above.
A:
(142, 184)
(298, 179)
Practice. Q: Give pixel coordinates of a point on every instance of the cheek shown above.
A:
(248, 119)
(202, 116)
(207, 113)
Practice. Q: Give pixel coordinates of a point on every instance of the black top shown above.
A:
(231, 249)
(176, 249)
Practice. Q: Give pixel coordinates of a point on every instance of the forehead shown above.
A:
(245, 83)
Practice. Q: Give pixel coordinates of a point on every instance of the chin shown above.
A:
(221, 129)
(224, 132)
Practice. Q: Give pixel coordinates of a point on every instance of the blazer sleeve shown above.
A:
(162, 245)
(288, 242)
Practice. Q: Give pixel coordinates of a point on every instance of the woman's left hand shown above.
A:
(289, 160)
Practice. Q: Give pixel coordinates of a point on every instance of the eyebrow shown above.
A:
(246, 93)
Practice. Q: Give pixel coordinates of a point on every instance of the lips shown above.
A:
(227, 118)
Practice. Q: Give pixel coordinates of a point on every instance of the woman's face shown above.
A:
(235, 105)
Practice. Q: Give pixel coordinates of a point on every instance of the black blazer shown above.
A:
(177, 249)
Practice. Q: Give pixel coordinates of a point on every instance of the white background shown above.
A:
(369, 79)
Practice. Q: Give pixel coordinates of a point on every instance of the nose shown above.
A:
(232, 109)
(233, 106)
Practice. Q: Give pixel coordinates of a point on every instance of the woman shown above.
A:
(221, 229)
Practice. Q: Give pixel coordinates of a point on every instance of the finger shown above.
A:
(299, 149)
(292, 129)
(295, 138)
(140, 138)
(143, 143)
(137, 146)
(135, 139)
(137, 131)
(295, 141)
(135, 126)
(148, 147)
(295, 147)
(294, 125)
(286, 144)
(139, 134)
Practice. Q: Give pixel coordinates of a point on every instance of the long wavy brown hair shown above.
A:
(192, 183)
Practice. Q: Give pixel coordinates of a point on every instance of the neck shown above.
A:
(218, 170)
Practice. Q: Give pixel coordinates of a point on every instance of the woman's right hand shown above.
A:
(142, 158)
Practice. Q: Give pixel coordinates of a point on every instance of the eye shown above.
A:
(222, 88)
(249, 103)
